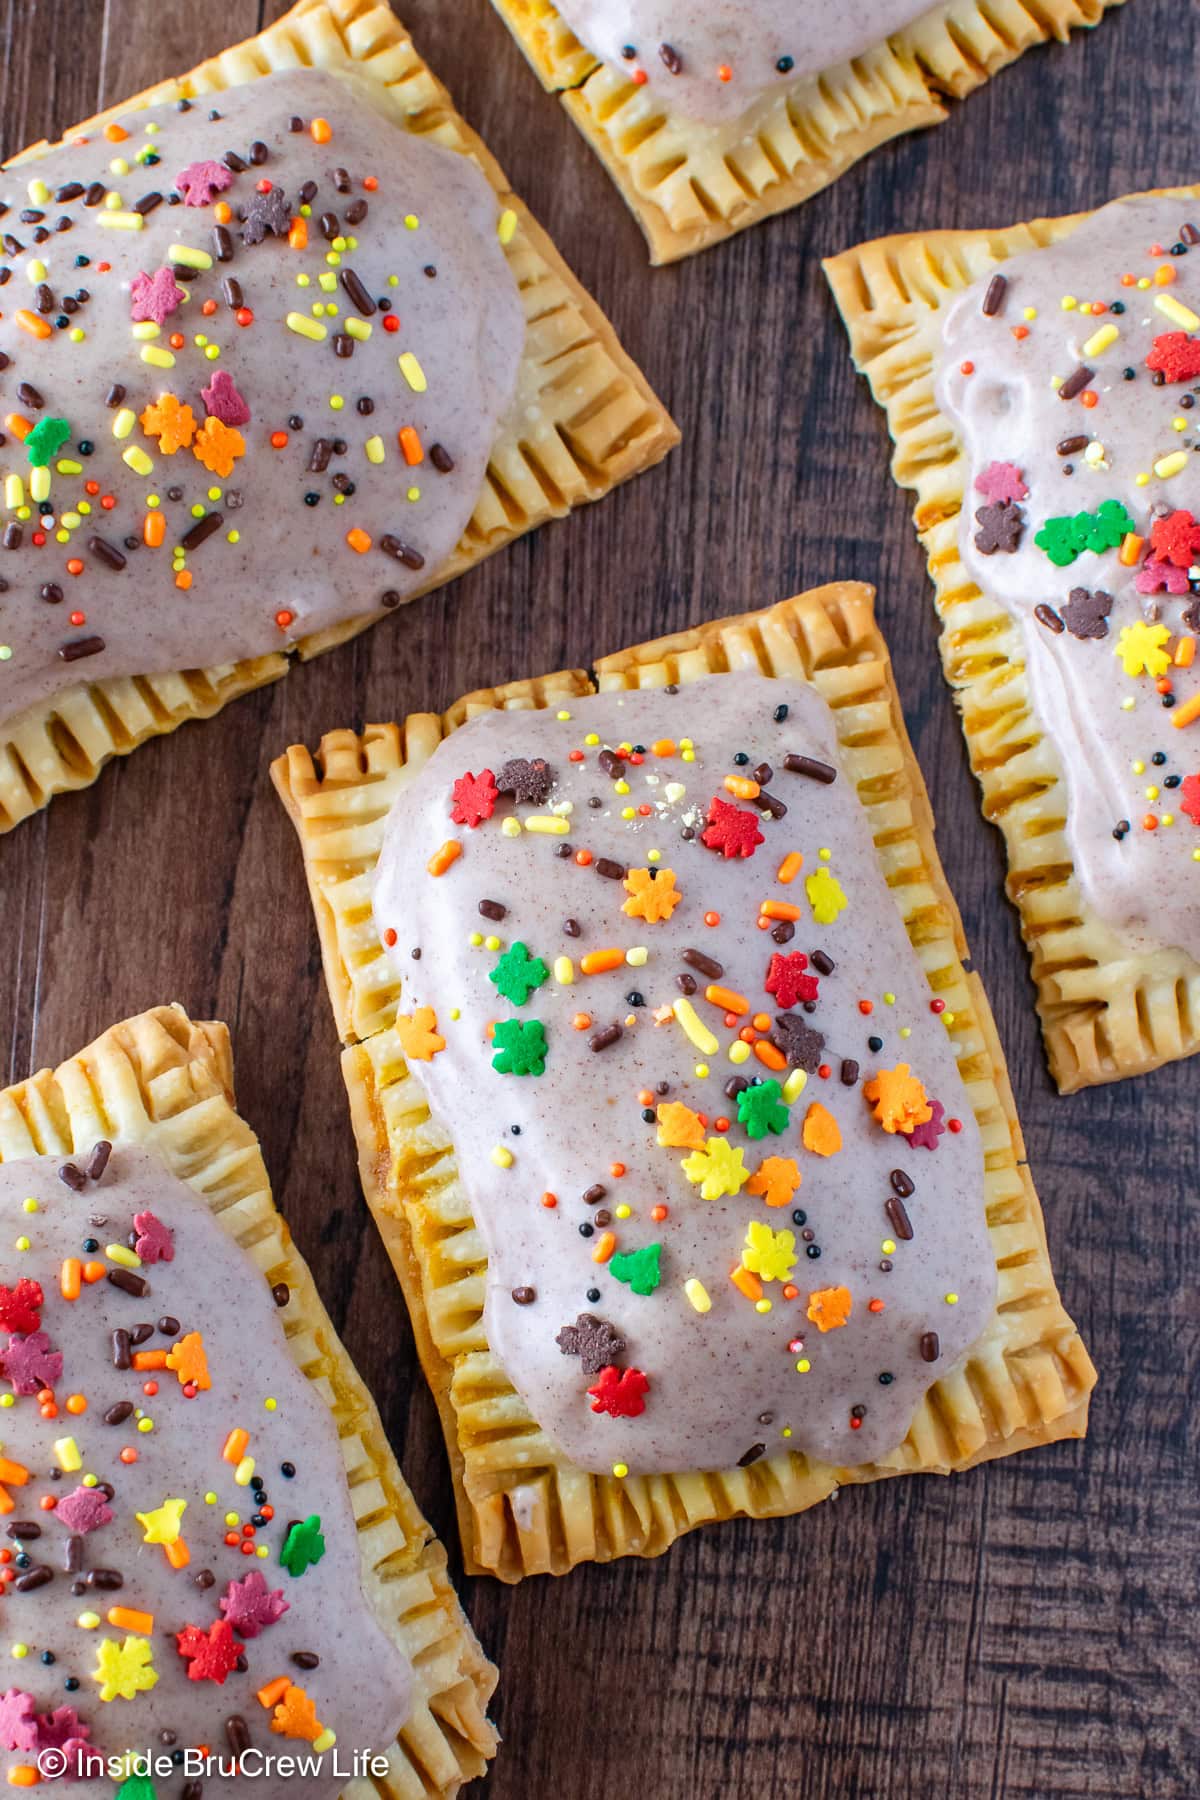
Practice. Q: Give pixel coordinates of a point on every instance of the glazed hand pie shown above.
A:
(211, 1555)
(278, 351)
(1039, 384)
(711, 117)
(686, 1131)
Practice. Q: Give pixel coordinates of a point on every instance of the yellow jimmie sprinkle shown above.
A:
(14, 492)
(121, 1253)
(1177, 312)
(144, 330)
(305, 327)
(374, 449)
(358, 328)
(325, 1741)
(507, 226)
(794, 1086)
(697, 1295)
(1166, 466)
(1100, 340)
(412, 372)
(39, 484)
(68, 1454)
(122, 221)
(38, 192)
(124, 422)
(137, 460)
(548, 825)
(564, 971)
(244, 1471)
(187, 258)
(694, 1027)
(156, 357)
(739, 1052)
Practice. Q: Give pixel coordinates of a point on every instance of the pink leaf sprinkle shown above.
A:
(926, 1136)
(200, 182)
(18, 1727)
(222, 400)
(83, 1510)
(154, 296)
(31, 1363)
(155, 1243)
(249, 1605)
(1001, 482)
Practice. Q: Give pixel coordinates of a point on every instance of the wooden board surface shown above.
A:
(1028, 1632)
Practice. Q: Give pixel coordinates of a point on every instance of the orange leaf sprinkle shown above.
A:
(189, 1362)
(898, 1099)
(171, 422)
(418, 1035)
(775, 1180)
(296, 1716)
(821, 1133)
(828, 1308)
(651, 897)
(679, 1128)
(218, 447)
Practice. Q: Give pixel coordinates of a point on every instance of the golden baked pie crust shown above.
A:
(163, 1082)
(523, 1508)
(1106, 1012)
(606, 422)
(690, 185)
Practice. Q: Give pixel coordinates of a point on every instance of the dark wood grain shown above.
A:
(1026, 1632)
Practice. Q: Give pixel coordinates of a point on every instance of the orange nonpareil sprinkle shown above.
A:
(442, 859)
(598, 962)
(663, 747)
(790, 867)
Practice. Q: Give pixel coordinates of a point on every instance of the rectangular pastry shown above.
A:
(710, 118)
(686, 1130)
(279, 350)
(1040, 384)
(209, 1552)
